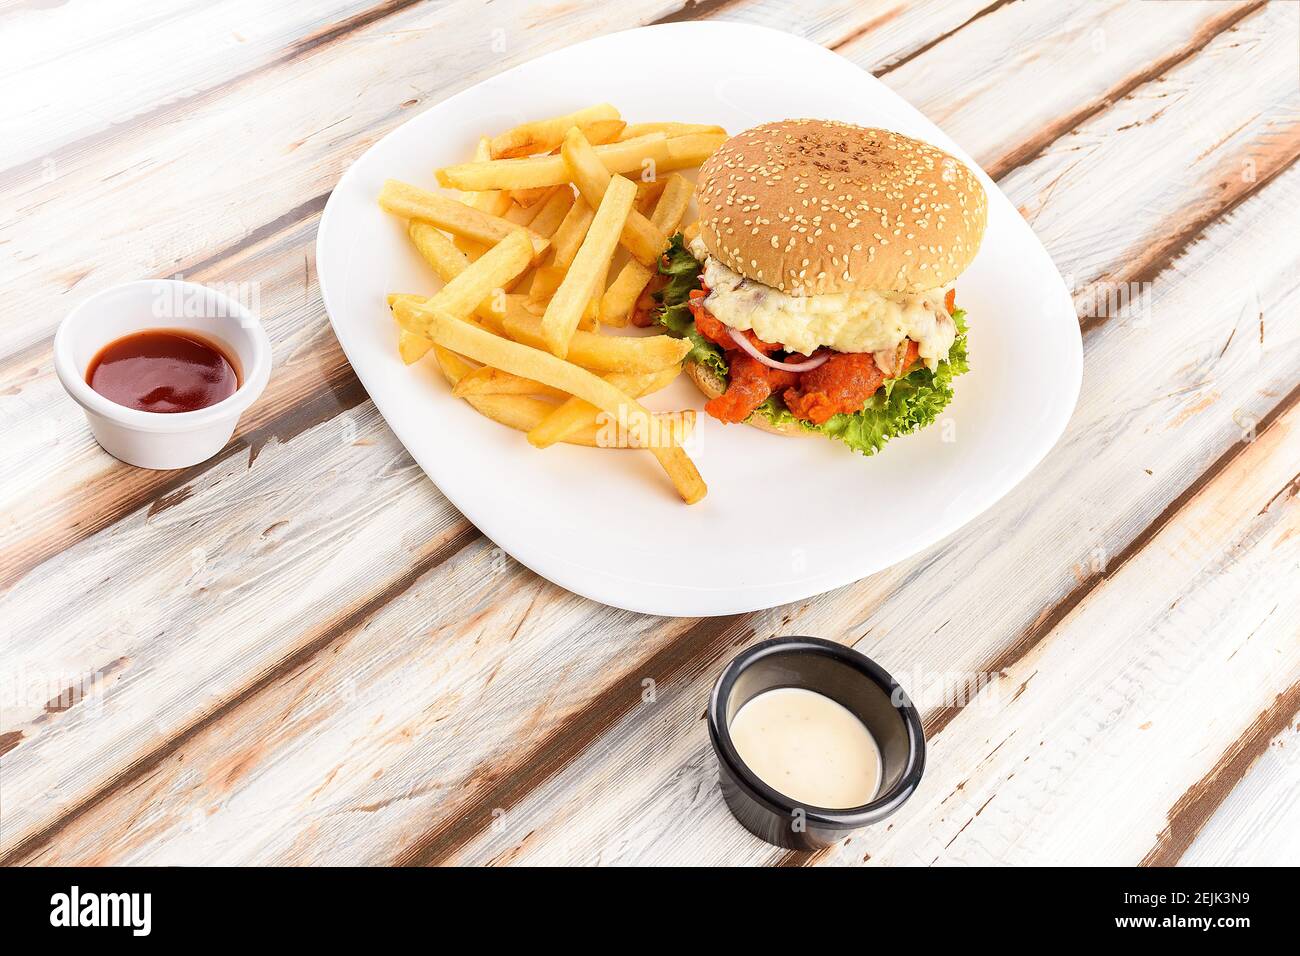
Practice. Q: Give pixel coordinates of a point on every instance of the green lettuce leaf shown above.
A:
(903, 406)
(683, 271)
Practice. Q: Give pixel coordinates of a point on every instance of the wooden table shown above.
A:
(300, 653)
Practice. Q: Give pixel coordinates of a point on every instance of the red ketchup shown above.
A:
(163, 370)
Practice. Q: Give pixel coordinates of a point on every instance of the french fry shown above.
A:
(524, 413)
(553, 212)
(574, 413)
(672, 203)
(525, 305)
(542, 136)
(524, 215)
(572, 230)
(590, 321)
(660, 380)
(493, 381)
(589, 266)
(396, 297)
(403, 199)
(453, 367)
(463, 293)
(448, 262)
(599, 132)
(546, 279)
(565, 242)
(411, 347)
(527, 198)
(639, 236)
(464, 339)
(629, 155)
(663, 378)
(621, 296)
(550, 216)
(416, 300)
(494, 202)
(633, 130)
(691, 150)
(527, 217)
(602, 353)
(647, 194)
(437, 249)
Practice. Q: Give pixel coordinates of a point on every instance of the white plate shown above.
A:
(784, 518)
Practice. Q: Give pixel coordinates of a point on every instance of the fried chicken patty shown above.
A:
(842, 384)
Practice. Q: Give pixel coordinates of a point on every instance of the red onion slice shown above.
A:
(805, 366)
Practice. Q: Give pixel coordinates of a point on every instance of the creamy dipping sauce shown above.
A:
(808, 747)
(845, 322)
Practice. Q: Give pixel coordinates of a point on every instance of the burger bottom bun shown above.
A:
(713, 386)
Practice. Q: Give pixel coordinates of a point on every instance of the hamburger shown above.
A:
(817, 289)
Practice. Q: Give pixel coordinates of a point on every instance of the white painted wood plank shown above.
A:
(59, 482)
(1133, 700)
(1234, 145)
(84, 66)
(324, 763)
(1030, 69)
(880, 32)
(180, 608)
(1259, 823)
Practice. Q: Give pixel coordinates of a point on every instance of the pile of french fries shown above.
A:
(548, 211)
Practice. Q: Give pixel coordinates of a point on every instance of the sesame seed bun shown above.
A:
(816, 206)
(712, 386)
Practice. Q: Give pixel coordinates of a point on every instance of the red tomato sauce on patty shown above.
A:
(842, 384)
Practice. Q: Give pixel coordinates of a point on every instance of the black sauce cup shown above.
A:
(845, 676)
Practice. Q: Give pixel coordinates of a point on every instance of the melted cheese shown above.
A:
(846, 322)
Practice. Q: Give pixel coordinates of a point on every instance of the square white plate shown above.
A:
(784, 518)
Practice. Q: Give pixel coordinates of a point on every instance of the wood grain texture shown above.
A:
(1072, 60)
(1194, 809)
(1255, 822)
(300, 653)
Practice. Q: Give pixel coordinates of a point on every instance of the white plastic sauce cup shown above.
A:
(160, 439)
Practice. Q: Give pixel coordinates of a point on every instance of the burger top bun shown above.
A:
(817, 206)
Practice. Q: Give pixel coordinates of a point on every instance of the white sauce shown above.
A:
(845, 322)
(808, 747)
